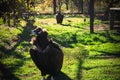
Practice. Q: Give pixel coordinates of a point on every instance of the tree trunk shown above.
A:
(66, 2)
(109, 5)
(106, 15)
(82, 6)
(59, 4)
(54, 6)
(14, 18)
(79, 6)
(8, 19)
(4, 18)
(91, 9)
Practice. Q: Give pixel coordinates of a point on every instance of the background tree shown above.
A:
(66, 2)
(79, 5)
(54, 6)
(91, 10)
(110, 3)
(11, 9)
(59, 5)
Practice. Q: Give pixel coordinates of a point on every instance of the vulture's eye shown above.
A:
(39, 32)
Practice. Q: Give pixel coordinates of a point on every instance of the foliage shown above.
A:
(9, 6)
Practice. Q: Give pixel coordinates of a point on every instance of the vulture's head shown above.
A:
(41, 34)
(36, 31)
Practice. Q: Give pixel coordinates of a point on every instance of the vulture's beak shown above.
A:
(33, 32)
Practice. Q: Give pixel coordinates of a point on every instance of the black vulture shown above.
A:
(59, 18)
(46, 54)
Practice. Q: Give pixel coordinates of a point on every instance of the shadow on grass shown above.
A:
(79, 72)
(66, 24)
(65, 39)
(6, 74)
(109, 36)
(7, 70)
(60, 76)
(105, 55)
(81, 59)
(89, 68)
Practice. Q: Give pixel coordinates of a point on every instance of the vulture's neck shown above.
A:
(43, 43)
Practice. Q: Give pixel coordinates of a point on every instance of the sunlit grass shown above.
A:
(1, 21)
(86, 56)
(109, 48)
(102, 68)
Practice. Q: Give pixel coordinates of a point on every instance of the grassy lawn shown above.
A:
(86, 56)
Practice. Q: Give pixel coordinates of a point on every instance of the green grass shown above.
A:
(1, 21)
(86, 56)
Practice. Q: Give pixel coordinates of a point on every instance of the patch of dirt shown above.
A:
(101, 27)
